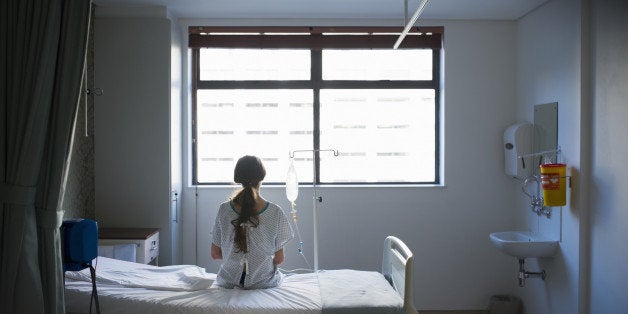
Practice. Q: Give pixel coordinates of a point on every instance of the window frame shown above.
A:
(315, 41)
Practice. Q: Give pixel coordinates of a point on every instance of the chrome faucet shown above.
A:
(536, 203)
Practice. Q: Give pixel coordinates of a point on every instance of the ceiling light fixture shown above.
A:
(409, 25)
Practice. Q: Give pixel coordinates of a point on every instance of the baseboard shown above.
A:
(455, 312)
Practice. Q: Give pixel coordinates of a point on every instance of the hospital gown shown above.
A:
(272, 233)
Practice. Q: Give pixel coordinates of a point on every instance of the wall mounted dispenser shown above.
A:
(518, 142)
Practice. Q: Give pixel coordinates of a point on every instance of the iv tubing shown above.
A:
(296, 227)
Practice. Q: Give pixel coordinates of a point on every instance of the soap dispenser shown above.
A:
(518, 142)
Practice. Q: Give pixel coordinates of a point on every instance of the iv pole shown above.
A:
(314, 198)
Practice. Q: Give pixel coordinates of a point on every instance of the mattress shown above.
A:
(125, 287)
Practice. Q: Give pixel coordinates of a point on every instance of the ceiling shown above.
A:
(336, 9)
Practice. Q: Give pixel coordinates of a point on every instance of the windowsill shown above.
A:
(324, 186)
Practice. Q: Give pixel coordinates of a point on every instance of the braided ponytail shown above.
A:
(249, 172)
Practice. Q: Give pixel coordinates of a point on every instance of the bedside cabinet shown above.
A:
(146, 241)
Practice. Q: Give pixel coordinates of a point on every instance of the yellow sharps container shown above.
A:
(553, 182)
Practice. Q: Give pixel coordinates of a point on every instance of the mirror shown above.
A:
(545, 131)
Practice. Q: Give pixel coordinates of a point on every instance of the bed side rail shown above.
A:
(397, 266)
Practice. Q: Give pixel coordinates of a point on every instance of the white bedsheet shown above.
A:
(350, 291)
(330, 291)
(135, 275)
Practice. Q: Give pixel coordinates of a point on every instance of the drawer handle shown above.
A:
(153, 245)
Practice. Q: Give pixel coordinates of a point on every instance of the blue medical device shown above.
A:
(79, 242)
(79, 238)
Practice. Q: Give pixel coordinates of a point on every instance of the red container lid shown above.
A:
(553, 165)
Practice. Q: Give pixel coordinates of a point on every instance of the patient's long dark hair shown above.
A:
(249, 171)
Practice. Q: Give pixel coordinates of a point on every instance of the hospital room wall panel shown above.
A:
(447, 227)
(133, 123)
(608, 217)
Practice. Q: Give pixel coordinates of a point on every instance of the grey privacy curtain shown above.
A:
(42, 58)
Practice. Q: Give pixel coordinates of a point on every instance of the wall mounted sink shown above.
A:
(524, 244)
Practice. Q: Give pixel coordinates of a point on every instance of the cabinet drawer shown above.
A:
(151, 248)
(146, 242)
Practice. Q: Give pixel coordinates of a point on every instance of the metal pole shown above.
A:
(315, 198)
(315, 215)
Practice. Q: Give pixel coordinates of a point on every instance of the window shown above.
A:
(266, 93)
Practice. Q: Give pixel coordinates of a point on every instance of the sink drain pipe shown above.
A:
(523, 274)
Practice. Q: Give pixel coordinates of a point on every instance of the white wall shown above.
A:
(132, 121)
(548, 70)
(609, 214)
(447, 227)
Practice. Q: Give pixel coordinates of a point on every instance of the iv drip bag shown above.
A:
(292, 184)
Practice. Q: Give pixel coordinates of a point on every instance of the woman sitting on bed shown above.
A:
(249, 233)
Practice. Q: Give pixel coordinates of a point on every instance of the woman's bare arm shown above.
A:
(216, 252)
(278, 259)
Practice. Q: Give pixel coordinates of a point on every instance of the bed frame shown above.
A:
(397, 269)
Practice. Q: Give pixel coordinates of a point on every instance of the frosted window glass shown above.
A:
(265, 123)
(254, 64)
(385, 135)
(369, 65)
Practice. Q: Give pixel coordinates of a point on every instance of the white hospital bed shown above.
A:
(125, 287)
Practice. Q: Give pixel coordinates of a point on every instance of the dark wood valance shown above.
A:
(313, 37)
